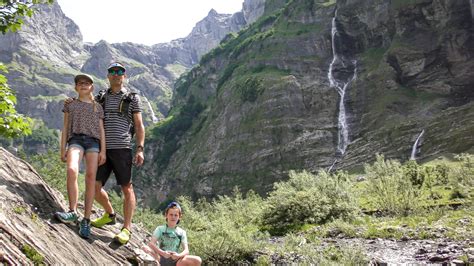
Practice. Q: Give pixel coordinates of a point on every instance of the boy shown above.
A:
(167, 239)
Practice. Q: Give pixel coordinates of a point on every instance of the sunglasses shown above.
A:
(119, 72)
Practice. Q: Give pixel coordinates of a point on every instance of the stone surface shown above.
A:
(27, 204)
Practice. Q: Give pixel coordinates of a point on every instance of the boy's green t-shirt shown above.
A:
(169, 239)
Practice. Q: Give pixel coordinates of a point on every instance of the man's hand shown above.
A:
(68, 100)
(139, 158)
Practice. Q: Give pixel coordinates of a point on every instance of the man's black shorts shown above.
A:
(120, 162)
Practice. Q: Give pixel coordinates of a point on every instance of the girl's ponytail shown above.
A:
(91, 97)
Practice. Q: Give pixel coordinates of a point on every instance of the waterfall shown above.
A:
(154, 119)
(341, 84)
(415, 145)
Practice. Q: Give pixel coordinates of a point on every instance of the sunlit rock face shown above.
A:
(270, 106)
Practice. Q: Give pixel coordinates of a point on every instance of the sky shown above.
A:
(141, 21)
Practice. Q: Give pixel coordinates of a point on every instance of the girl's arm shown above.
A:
(102, 156)
(64, 137)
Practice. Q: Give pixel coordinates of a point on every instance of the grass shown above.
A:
(429, 224)
(32, 254)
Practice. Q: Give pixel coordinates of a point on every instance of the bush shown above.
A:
(226, 229)
(462, 178)
(307, 198)
(390, 188)
(250, 89)
(53, 171)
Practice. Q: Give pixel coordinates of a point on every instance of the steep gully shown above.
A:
(341, 73)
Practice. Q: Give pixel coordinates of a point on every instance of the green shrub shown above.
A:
(390, 189)
(414, 173)
(307, 198)
(462, 177)
(53, 170)
(295, 248)
(226, 229)
(32, 254)
(250, 89)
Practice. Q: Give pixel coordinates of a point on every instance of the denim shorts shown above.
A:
(84, 142)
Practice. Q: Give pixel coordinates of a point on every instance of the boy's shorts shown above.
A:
(167, 261)
(84, 142)
(120, 162)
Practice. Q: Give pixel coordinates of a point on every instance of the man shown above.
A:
(122, 117)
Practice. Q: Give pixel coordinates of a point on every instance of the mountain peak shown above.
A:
(212, 12)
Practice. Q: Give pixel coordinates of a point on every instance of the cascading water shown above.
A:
(415, 145)
(154, 119)
(341, 73)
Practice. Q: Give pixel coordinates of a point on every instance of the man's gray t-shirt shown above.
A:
(117, 126)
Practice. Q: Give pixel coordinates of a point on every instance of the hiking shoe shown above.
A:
(85, 228)
(66, 217)
(123, 237)
(105, 219)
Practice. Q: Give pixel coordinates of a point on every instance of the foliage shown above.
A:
(250, 89)
(391, 190)
(170, 131)
(307, 198)
(224, 230)
(43, 135)
(426, 224)
(32, 254)
(12, 124)
(462, 177)
(53, 170)
(300, 249)
(12, 13)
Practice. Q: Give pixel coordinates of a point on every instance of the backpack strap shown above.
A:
(124, 107)
(100, 97)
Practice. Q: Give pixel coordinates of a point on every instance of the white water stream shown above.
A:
(415, 145)
(341, 86)
(154, 119)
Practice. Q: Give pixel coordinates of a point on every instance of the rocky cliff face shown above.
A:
(28, 232)
(269, 104)
(44, 56)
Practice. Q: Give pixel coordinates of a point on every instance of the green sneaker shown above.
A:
(105, 219)
(66, 217)
(123, 237)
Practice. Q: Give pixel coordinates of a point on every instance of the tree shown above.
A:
(12, 124)
(12, 13)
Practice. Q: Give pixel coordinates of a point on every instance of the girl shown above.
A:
(167, 239)
(83, 131)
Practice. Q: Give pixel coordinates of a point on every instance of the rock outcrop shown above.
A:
(29, 234)
(270, 107)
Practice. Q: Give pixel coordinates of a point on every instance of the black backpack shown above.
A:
(124, 105)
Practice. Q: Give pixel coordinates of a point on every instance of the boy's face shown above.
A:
(172, 217)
